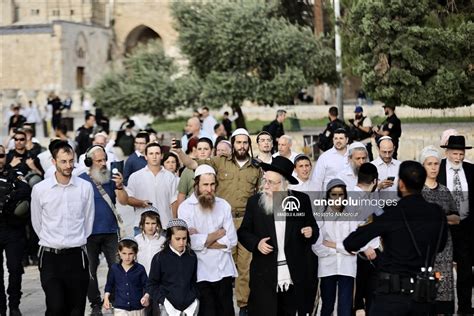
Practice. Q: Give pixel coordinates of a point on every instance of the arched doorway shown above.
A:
(139, 35)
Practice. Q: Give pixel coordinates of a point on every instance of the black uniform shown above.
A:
(393, 125)
(13, 190)
(325, 138)
(399, 261)
(84, 138)
(275, 129)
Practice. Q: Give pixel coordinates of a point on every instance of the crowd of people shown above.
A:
(217, 218)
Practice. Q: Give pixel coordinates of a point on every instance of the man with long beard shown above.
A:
(213, 236)
(104, 238)
(238, 176)
(357, 155)
(279, 235)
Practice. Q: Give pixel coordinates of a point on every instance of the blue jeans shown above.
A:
(344, 286)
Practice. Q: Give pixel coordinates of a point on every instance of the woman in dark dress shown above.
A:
(435, 192)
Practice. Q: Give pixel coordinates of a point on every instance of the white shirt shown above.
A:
(347, 175)
(208, 124)
(336, 261)
(387, 170)
(292, 156)
(159, 190)
(464, 204)
(184, 139)
(62, 215)
(303, 186)
(327, 167)
(147, 248)
(213, 264)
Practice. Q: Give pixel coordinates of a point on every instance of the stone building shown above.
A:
(63, 46)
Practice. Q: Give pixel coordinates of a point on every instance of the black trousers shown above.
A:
(463, 253)
(64, 279)
(12, 241)
(366, 281)
(286, 302)
(96, 244)
(216, 298)
(397, 305)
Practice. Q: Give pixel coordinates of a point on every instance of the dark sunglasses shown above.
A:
(20, 139)
(2, 155)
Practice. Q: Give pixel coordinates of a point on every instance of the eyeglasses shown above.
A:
(270, 182)
(20, 139)
(2, 155)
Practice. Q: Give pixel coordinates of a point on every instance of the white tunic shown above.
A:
(213, 264)
(327, 167)
(159, 190)
(147, 248)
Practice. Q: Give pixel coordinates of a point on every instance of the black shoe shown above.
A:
(15, 312)
(96, 310)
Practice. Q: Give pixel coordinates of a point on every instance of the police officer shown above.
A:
(412, 232)
(14, 198)
(390, 127)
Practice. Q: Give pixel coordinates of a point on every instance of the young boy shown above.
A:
(128, 280)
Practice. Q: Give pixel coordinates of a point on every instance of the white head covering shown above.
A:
(203, 169)
(355, 145)
(429, 151)
(240, 131)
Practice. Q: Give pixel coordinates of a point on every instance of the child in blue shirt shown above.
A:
(128, 280)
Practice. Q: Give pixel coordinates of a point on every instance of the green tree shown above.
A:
(412, 53)
(145, 84)
(245, 51)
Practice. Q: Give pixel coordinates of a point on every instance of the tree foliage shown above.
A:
(246, 51)
(412, 53)
(145, 84)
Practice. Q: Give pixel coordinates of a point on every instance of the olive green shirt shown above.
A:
(236, 184)
(186, 182)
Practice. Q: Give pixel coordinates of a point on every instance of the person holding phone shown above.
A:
(108, 188)
(387, 166)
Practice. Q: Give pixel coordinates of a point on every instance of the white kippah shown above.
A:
(355, 145)
(240, 131)
(203, 169)
(176, 222)
(429, 151)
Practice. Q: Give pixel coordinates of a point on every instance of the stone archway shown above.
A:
(139, 35)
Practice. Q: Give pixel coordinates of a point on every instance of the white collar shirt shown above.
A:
(147, 248)
(347, 175)
(292, 156)
(387, 170)
(62, 215)
(213, 264)
(464, 204)
(208, 124)
(302, 186)
(160, 190)
(327, 167)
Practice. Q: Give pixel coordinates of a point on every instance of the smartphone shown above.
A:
(177, 144)
(390, 178)
(117, 165)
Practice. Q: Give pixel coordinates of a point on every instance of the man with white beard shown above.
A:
(357, 155)
(213, 236)
(280, 235)
(104, 238)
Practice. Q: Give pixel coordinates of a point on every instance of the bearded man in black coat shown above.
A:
(278, 229)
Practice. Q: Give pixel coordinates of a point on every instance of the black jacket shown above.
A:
(399, 255)
(263, 268)
(173, 277)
